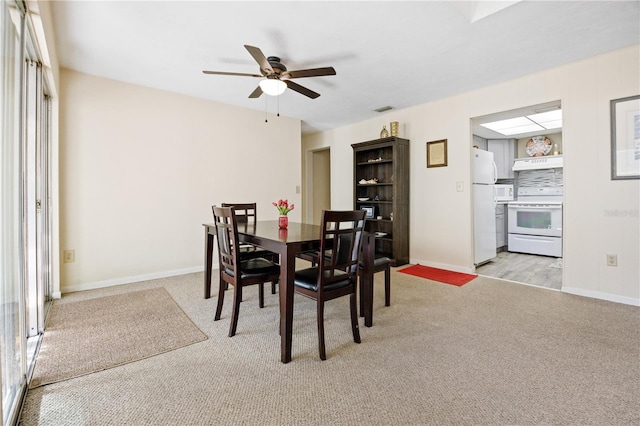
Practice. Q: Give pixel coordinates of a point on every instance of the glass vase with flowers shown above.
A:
(284, 208)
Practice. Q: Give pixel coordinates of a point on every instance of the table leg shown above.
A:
(208, 259)
(287, 272)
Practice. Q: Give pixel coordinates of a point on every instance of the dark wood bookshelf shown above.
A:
(387, 161)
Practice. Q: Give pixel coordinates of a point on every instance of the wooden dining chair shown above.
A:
(337, 270)
(380, 264)
(234, 270)
(246, 216)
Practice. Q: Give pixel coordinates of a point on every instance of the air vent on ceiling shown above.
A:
(383, 109)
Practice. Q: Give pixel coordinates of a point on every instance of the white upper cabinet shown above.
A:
(504, 152)
(479, 142)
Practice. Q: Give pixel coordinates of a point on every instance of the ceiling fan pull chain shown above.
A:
(265, 109)
(278, 100)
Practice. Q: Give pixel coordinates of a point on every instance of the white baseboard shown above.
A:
(604, 296)
(127, 280)
(454, 268)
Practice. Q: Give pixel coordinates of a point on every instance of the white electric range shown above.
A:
(535, 221)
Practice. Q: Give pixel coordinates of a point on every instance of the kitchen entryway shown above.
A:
(542, 271)
(524, 244)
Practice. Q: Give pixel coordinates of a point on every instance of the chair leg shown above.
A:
(354, 318)
(360, 290)
(237, 298)
(387, 286)
(321, 348)
(221, 289)
(261, 295)
(275, 259)
(226, 284)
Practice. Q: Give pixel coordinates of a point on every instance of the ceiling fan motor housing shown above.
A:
(278, 67)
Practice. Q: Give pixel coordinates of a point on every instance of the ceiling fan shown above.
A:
(276, 74)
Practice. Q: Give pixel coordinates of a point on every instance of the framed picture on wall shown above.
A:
(437, 153)
(625, 138)
(370, 211)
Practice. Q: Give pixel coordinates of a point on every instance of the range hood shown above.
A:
(537, 163)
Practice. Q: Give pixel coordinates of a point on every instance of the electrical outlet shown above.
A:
(612, 260)
(69, 256)
(459, 186)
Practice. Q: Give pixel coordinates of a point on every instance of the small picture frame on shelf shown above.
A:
(437, 153)
(369, 211)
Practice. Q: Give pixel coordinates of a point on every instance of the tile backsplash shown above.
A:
(540, 178)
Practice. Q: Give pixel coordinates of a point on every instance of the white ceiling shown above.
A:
(391, 53)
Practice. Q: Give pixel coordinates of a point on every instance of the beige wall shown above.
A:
(441, 217)
(140, 168)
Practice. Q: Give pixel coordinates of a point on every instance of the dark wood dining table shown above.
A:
(288, 243)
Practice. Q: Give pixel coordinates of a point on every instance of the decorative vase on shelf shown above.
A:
(283, 221)
(384, 133)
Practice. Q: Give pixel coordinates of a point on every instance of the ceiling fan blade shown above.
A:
(256, 93)
(300, 89)
(313, 72)
(260, 58)
(232, 73)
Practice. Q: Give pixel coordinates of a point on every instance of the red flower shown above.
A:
(283, 206)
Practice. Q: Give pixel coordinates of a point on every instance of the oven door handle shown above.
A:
(535, 207)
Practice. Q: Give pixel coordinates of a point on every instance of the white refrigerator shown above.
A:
(484, 176)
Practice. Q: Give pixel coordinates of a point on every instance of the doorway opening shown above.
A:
(528, 195)
(318, 184)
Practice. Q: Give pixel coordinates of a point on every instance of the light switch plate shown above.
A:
(69, 256)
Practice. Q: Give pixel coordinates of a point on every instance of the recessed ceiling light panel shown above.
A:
(548, 120)
(506, 124)
(552, 124)
(513, 126)
(531, 123)
(546, 116)
(532, 127)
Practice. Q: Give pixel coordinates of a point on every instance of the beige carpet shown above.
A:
(92, 335)
(488, 353)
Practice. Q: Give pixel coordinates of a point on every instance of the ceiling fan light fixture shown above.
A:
(272, 86)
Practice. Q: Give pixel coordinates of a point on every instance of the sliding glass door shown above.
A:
(25, 246)
(40, 301)
(12, 306)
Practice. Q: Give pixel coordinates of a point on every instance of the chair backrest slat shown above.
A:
(245, 212)
(227, 233)
(340, 243)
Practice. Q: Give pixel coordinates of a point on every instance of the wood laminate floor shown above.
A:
(542, 271)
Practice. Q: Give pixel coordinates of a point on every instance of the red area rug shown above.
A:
(440, 275)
